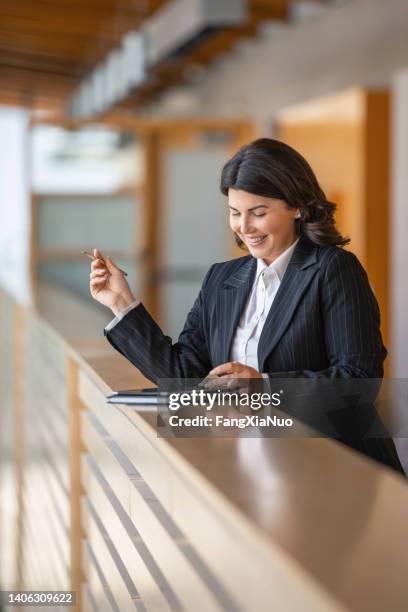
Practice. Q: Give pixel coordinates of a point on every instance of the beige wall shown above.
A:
(334, 152)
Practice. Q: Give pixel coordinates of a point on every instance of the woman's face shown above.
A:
(265, 225)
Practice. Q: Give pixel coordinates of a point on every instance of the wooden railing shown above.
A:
(129, 520)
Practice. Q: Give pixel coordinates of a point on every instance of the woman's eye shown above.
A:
(234, 214)
(259, 215)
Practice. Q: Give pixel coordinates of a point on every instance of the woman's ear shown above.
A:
(298, 214)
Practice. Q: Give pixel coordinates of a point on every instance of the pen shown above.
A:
(88, 254)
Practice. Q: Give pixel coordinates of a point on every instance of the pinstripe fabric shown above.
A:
(324, 321)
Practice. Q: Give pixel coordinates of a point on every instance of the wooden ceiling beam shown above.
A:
(68, 28)
(46, 44)
(42, 60)
(98, 6)
(43, 66)
(87, 26)
(84, 56)
(20, 75)
(28, 47)
(119, 16)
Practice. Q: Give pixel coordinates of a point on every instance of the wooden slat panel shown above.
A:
(114, 572)
(121, 430)
(193, 582)
(150, 582)
(97, 584)
(112, 464)
(88, 603)
(165, 542)
(98, 446)
(189, 578)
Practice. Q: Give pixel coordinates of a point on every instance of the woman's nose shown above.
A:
(245, 225)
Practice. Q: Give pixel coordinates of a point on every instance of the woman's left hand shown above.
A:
(228, 375)
(234, 369)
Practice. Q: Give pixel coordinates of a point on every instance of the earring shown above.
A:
(298, 215)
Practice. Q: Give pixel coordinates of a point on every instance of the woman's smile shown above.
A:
(255, 241)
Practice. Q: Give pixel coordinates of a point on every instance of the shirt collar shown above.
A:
(279, 265)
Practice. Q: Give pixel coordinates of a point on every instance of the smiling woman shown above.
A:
(297, 306)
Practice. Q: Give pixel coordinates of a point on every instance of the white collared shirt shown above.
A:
(244, 347)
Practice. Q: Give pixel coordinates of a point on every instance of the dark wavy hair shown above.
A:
(272, 169)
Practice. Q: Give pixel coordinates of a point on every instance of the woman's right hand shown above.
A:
(108, 284)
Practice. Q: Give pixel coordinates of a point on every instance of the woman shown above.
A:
(297, 306)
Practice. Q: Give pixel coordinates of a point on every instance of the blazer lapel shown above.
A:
(231, 299)
(299, 273)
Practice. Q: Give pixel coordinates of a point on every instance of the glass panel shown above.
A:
(194, 224)
(85, 222)
(193, 227)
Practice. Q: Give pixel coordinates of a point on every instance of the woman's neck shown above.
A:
(271, 258)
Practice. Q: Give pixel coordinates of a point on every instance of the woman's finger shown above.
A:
(97, 281)
(97, 273)
(97, 253)
(112, 267)
(98, 264)
(231, 367)
(221, 370)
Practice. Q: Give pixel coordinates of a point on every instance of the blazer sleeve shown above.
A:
(351, 320)
(139, 338)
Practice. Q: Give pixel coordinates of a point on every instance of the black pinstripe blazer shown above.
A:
(324, 321)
